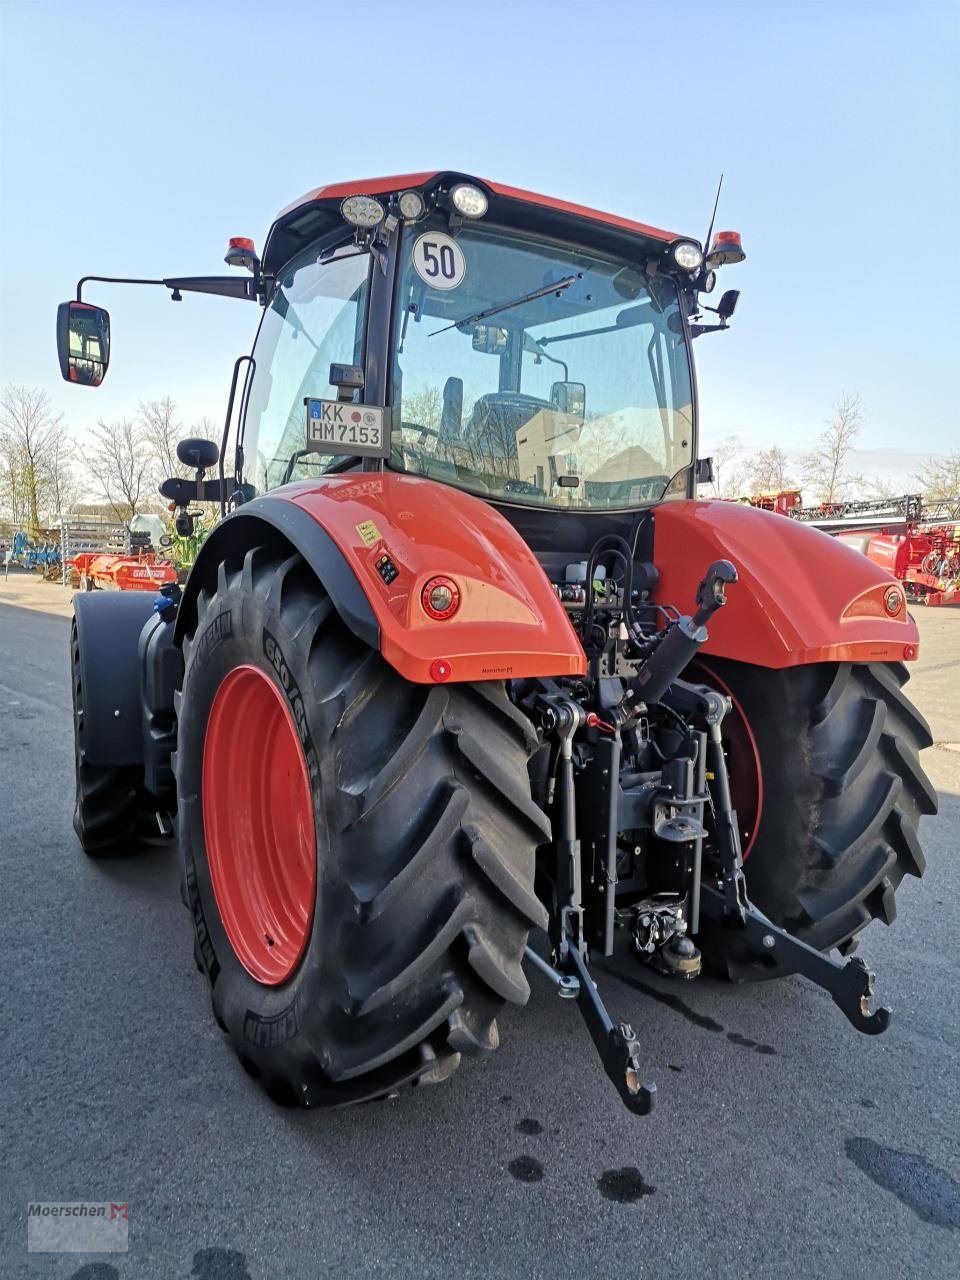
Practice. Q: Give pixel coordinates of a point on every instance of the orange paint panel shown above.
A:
(801, 597)
(509, 624)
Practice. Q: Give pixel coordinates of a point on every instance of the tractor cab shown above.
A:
(530, 352)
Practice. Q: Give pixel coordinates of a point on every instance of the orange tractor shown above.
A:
(465, 659)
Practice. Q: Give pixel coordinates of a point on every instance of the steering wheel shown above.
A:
(424, 431)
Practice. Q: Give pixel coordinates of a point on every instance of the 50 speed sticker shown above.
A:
(438, 260)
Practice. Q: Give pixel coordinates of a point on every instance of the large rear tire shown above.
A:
(403, 916)
(827, 782)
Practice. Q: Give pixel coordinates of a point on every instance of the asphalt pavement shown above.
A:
(783, 1145)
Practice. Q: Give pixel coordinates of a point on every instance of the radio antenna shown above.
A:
(713, 218)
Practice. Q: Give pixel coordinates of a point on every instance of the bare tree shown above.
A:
(64, 487)
(769, 471)
(30, 435)
(119, 463)
(729, 472)
(940, 477)
(162, 432)
(424, 409)
(206, 429)
(878, 488)
(825, 467)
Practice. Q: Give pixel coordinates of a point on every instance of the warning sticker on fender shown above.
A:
(369, 533)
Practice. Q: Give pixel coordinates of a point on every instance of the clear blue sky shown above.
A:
(136, 137)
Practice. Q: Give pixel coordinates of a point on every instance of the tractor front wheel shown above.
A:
(828, 787)
(358, 850)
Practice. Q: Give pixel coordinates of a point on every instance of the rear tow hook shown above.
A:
(617, 1044)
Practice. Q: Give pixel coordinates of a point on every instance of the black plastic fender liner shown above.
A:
(108, 628)
(260, 521)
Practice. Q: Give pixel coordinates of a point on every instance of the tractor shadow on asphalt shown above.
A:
(150, 869)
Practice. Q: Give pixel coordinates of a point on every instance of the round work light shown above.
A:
(468, 200)
(687, 256)
(411, 206)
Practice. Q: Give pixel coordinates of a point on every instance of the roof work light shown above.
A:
(362, 211)
(468, 200)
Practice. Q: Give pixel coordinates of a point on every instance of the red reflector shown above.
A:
(440, 598)
(242, 242)
(909, 652)
(440, 670)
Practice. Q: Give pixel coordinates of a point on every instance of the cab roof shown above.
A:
(319, 211)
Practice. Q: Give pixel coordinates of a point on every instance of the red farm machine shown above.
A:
(916, 540)
(463, 658)
(97, 570)
(100, 555)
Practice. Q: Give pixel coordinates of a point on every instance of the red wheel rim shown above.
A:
(743, 762)
(258, 825)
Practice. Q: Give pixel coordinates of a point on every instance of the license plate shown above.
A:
(355, 429)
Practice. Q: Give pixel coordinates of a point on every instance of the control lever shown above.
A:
(711, 595)
(684, 637)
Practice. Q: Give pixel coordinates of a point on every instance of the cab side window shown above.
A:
(315, 318)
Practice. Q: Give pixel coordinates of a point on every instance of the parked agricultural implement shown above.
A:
(914, 539)
(464, 658)
(144, 572)
(100, 555)
(42, 556)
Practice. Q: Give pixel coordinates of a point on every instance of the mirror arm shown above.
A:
(695, 330)
(110, 280)
(225, 286)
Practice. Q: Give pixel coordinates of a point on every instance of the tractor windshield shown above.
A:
(537, 373)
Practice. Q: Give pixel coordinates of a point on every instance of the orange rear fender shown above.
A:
(801, 597)
(398, 532)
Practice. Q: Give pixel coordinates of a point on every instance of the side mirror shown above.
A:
(728, 304)
(570, 398)
(199, 454)
(83, 343)
(704, 471)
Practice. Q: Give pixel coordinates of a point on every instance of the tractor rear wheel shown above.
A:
(358, 850)
(110, 808)
(829, 790)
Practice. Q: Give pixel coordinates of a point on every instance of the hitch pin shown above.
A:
(568, 987)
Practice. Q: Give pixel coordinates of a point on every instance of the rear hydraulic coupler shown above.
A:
(683, 638)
